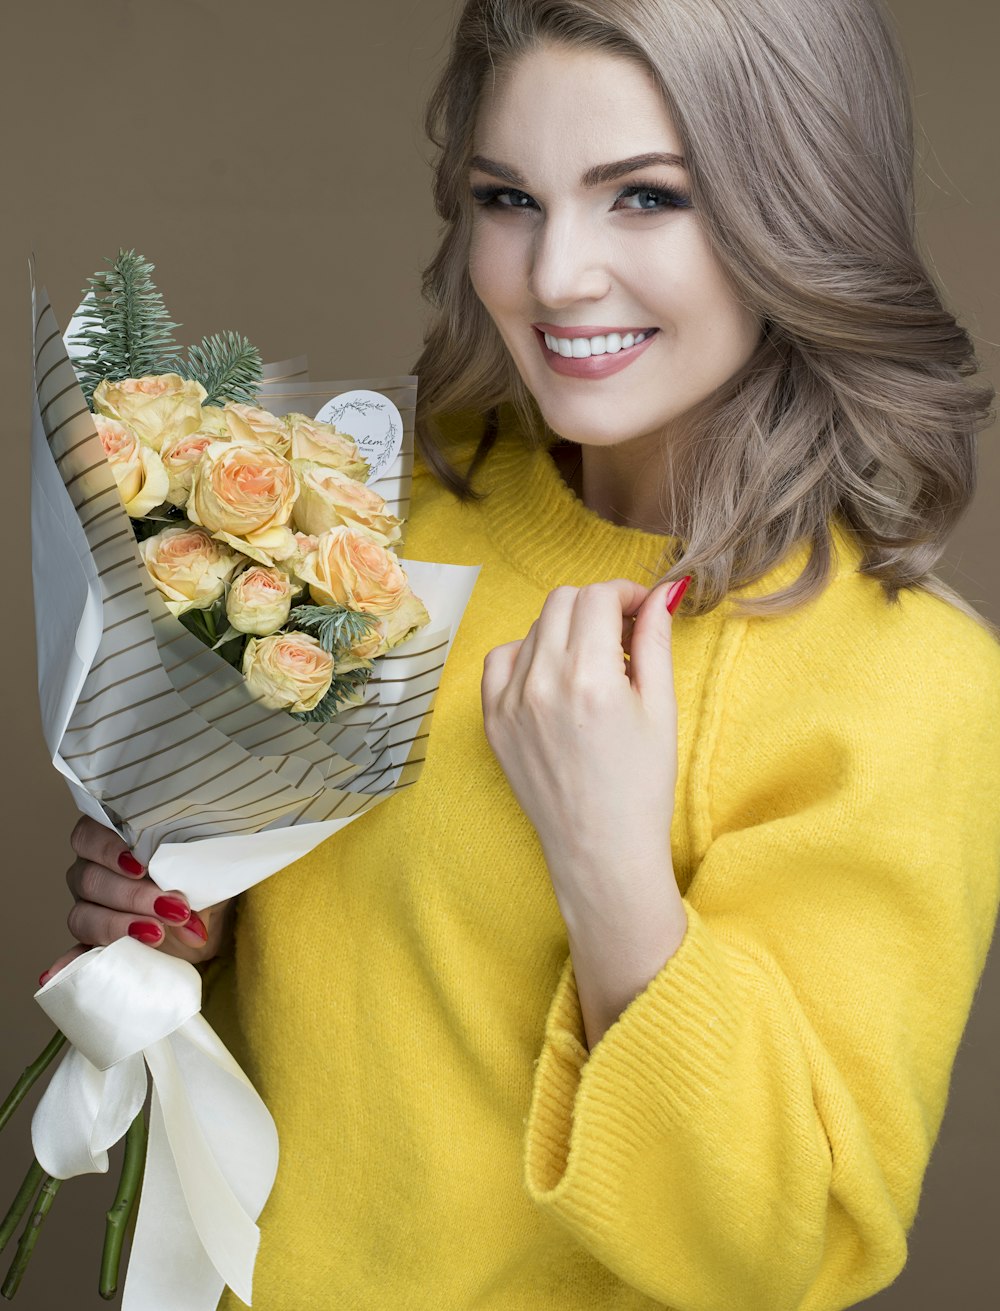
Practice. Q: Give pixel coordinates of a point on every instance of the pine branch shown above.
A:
(128, 332)
(228, 366)
(335, 627)
(344, 689)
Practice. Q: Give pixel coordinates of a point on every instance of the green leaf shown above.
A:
(228, 366)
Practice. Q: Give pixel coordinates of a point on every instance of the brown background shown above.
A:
(270, 160)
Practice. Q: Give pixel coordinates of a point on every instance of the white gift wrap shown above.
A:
(161, 740)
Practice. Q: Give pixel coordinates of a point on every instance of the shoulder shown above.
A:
(852, 641)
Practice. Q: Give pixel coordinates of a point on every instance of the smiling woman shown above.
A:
(633, 298)
(648, 996)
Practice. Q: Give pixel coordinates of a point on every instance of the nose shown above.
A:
(567, 264)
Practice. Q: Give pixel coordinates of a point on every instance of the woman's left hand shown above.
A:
(588, 738)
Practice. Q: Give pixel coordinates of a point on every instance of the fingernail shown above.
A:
(196, 927)
(172, 909)
(145, 932)
(128, 864)
(42, 978)
(675, 592)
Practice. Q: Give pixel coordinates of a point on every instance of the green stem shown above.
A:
(20, 1090)
(20, 1203)
(123, 1205)
(29, 1237)
(210, 624)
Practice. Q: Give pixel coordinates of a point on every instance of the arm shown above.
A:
(753, 1129)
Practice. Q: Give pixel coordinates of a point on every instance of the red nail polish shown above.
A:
(145, 932)
(196, 925)
(42, 977)
(128, 864)
(170, 908)
(675, 592)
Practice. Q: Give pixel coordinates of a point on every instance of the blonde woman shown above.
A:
(649, 994)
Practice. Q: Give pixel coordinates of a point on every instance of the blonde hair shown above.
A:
(795, 120)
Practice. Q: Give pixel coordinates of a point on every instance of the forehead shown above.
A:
(557, 101)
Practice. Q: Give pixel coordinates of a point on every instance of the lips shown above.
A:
(592, 367)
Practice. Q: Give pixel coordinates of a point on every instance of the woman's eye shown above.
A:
(653, 198)
(502, 197)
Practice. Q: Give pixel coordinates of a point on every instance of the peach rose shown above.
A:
(160, 406)
(350, 568)
(138, 470)
(179, 456)
(249, 423)
(189, 566)
(259, 600)
(329, 499)
(320, 442)
(288, 671)
(243, 493)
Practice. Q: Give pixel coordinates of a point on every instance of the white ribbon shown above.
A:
(213, 1147)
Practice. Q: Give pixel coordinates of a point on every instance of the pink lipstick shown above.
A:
(592, 366)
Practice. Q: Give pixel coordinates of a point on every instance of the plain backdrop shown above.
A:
(270, 160)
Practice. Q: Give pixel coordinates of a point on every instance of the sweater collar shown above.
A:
(547, 533)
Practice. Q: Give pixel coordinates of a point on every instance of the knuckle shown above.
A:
(75, 922)
(78, 838)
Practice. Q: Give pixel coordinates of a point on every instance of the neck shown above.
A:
(619, 483)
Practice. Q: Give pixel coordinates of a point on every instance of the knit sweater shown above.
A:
(752, 1132)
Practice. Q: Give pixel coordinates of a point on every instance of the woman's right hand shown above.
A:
(113, 897)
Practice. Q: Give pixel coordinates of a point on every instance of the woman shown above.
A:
(649, 994)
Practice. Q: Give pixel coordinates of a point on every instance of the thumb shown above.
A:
(650, 664)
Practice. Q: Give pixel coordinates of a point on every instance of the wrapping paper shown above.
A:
(160, 739)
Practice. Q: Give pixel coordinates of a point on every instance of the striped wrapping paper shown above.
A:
(159, 738)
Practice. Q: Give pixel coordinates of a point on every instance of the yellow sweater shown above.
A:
(752, 1133)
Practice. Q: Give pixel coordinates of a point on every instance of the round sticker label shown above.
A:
(374, 423)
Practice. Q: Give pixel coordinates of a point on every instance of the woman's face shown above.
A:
(572, 268)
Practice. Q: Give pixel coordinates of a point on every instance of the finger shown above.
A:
(497, 669)
(651, 667)
(601, 630)
(95, 842)
(542, 657)
(89, 882)
(62, 962)
(100, 926)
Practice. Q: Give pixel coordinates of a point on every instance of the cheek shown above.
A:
(494, 257)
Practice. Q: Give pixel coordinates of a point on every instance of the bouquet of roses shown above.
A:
(217, 598)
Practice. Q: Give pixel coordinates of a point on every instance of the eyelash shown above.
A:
(488, 197)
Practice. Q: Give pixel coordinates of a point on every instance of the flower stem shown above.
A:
(20, 1203)
(123, 1205)
(29, 1237)
(20, 1090)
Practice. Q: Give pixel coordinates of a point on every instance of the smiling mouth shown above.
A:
(581, 348)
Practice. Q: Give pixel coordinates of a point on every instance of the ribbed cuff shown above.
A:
(592, 1115)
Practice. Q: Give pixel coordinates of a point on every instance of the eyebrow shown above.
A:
(594, 177)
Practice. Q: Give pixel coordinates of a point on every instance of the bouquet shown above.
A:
(233, 664)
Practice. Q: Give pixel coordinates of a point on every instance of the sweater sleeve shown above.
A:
(754, 1129)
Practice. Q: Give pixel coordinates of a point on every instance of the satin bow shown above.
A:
(213, 1146)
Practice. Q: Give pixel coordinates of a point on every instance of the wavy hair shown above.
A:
(795, 119)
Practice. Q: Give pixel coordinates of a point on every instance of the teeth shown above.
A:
(580, 348)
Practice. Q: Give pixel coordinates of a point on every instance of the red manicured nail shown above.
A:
(42, 977)
(145, 932)
(196, 925)
(170, 908)
(675, 592)
(128, 864)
